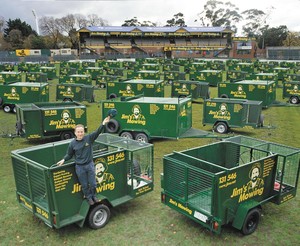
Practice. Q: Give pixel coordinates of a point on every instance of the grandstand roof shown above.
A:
(151, 29)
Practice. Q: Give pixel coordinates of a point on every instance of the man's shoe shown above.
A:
(91, 202)
(95, 199)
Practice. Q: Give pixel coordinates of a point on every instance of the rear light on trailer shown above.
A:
(215, 225)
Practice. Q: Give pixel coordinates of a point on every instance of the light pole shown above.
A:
(36, 22)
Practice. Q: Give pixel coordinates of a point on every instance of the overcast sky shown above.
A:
(159, 11)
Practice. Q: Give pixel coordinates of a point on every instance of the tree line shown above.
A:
(62, 32)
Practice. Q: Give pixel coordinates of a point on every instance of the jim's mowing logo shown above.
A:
(13, 94)
(105, 180)
(240, 93)
(128, 92)
(136, 117)
(68, 92)
(222, 113)
(255, 186)
(66, 121)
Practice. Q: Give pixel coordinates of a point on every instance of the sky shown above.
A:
(115, 12)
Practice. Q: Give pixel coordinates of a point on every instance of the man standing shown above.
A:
(81, 147)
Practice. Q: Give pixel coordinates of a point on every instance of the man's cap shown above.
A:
(112, 112)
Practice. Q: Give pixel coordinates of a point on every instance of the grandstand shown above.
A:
(156, 41)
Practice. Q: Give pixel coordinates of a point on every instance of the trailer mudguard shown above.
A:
(242, 212)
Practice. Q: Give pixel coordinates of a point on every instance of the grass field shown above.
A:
(145, 220)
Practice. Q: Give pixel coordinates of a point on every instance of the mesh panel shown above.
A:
(188, 184)
(37, 182)
(21, 178)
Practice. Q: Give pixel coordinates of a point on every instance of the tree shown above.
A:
(273, 36)
(177, 20)
(2, 22)
(94, 20)
(217, 13)
(292, 39)
(50, 27)
(132, 22)
(17, 24)
(256, 21)
(15, 38)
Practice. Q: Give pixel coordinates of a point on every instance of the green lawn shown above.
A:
(145, 220)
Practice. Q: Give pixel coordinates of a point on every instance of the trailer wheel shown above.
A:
(112, 95)
(112, 126)
(221, 127)
(251, 221)
(99, 216)
(102, 86)
(261, 120)
(66, 135)
(14, 109)
(126, 135)
(224, 96)
(294, 100)
(142, 137)
(67, 99)
(6, 108)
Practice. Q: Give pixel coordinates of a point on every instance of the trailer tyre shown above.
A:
(99, 216)
(293, 100)
(142, 137)
(6, 108)
(224, 96)
(251, 221)
(221, 127)
(112, 95)
(67, 99)
(112, 126)
(66, 135)
(127, 135)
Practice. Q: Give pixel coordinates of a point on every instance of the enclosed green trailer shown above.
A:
(35, 77)
(124, 171)
(76, 78)
(22, 92)
(228, 182)
(52, 119)
(226, 113)
(8, 77)
(197, 89)
(102, 80)
(133, 87)
(258, 90)
(291, 90)
(75, 92)
(213, 77)
(146, 118)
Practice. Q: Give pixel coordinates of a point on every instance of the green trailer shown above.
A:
(22, 92)
(35, 77)
(76, 78)
(124, 171)
(171, 76)
(102, 80)
(147, 118)
(133, 87)
(8, 77)
(213, 77)
(258, 90)
(75, 92)
(228, 182)
(49, 119)
(184, 88)
(226, 113)
(235, 75)
(94, 72)
(263, 77)
(50, 71)
(291, 90)
(146, 74)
